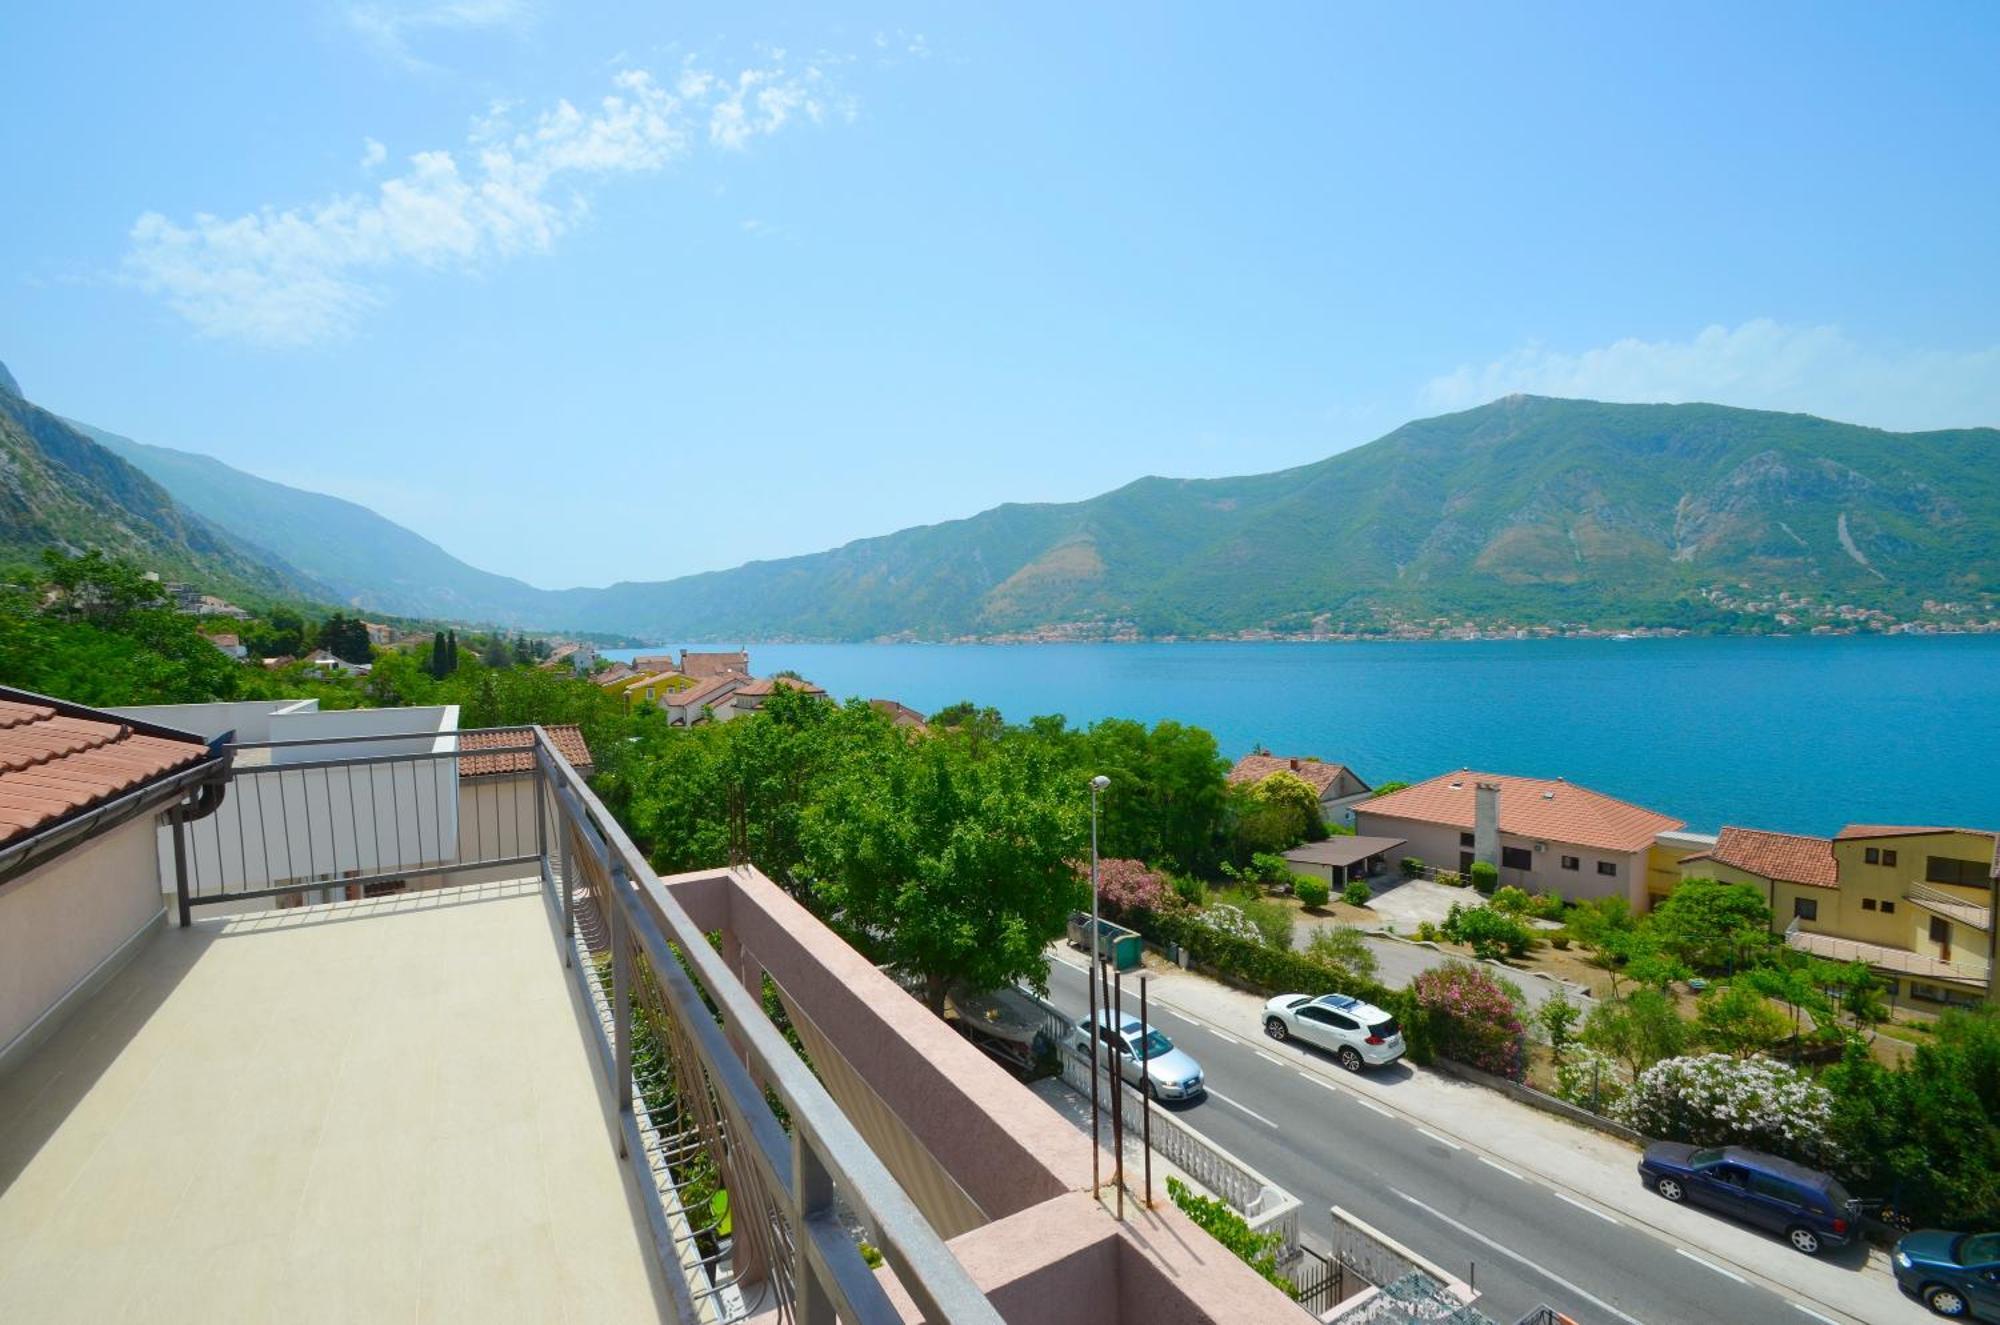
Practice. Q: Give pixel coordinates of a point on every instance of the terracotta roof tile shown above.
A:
(55, 762)
(1787, 857)
(1529, 807)
(1318, 773)
(566, 736)
(765, 685)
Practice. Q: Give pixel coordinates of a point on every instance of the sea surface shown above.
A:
(1797, 734)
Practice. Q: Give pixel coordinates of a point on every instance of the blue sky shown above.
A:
(817, 272)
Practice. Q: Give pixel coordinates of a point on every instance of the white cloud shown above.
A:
(373, 154)
(298, 275)
(1762, 364)
(390, 25)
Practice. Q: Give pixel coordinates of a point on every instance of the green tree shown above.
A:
(1557, 1018)
(1275, 813)
(951, 864)
(1167, 799)
(1738, 1020)
(1640, 1029)
(1342, 946)
(440, 667)
(1712, 926)
(346, 638)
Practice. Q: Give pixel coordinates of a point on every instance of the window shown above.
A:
(1941, 930)
(1571, 862)
(1964, 873)
(1607, 867)
(1805, 908)
(1888, 907)
(1465, 839)
(1888, 856)
(1867, 904)
(1873, 855)
(1517, 858)
(1777, 1189)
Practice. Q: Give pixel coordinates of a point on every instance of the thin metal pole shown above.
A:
(1095, 1035)
(179, 818)
(1118, 1099)
(621, 995)
(1145, 1094)
(542, 824)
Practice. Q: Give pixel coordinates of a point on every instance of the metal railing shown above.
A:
(718, 1083)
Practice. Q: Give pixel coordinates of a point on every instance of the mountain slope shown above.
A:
(1528, 508)
(369, 561)
(59, 489)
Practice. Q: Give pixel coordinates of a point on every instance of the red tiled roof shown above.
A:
(613, 674)
(1321, 775)
(1529, 807)
(566, 736)
(714, 664)
(900, 713)
(56, 762)
(703, 691)
(766, 684)
(1787, 857)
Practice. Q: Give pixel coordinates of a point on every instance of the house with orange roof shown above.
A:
(749, 698)
(1542, 834)
(1340, 788)
(1914, 902)
(704, 700)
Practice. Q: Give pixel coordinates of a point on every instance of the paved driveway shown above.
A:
(1405, 903)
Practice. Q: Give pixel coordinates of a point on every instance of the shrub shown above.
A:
(1485, 876)
(1472, 1019)
(1547, 906)
(1342, 946)
(1357, 893)
(1560, 940)
(1270, 921)
(1716, 1100)
(1128, 886)
(1641, 1029)
(1556, 1018)
(1487, 932)
(1269, 868)
(1259, 1251)
(1449, 878)
(1229, 921)
(1427, 932)
(1591, 1080)
(1508, 901)
(1411, 866)
(1312, 891)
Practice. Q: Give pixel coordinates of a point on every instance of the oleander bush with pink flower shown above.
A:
(1473, 1019)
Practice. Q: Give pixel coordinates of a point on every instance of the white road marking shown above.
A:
(1223, 1035)
(1367, 1103)
(1513, 1255)
(1800, 1306)
(1270, 1058)
(1587, 1209)
(1441, 1140)
(1726, 1274)
(1245, 1108)
(1319, 1080)
(1496, 1164)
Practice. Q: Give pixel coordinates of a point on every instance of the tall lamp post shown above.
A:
(1097, 785)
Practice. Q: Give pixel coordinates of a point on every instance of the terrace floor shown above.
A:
(372, 1111)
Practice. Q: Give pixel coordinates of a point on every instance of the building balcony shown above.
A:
(1971, 971)
(411, 1044)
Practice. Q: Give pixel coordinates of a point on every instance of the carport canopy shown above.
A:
(1343, 852)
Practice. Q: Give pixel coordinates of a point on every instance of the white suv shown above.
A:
(1356, 1033)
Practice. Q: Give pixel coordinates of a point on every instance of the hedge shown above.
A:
(1281, 971)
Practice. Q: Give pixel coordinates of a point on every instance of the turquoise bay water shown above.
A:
(1800, 734)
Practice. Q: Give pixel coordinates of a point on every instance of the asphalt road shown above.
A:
(1522, 1242)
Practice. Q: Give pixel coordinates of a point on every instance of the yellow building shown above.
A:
(1916, 904)
(654, 687)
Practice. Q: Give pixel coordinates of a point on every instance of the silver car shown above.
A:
(1357, 1034)
(1146, 1058)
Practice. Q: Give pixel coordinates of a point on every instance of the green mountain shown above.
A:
(59, 489)
(368, 561)
(1527, 509)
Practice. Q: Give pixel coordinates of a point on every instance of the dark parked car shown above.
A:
(1812, 1210)
(1954, 1274)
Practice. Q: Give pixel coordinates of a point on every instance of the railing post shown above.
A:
(178, 816)
(812, 1193)
(621, 998)
(542, 814)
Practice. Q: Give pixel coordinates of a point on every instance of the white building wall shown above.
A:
(1438, 845)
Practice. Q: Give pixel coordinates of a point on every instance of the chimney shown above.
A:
(1295, 765)
(1486, 822)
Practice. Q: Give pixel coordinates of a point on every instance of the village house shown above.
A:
(749, 698)
(230, 645)
(1542, 834)
(901, 714)
(1340, 788)
(704, 700)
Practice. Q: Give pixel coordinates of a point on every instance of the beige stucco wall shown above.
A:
(61, 922)
(1907, 926)
(1438, 845)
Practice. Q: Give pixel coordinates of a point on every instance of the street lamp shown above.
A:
(1097, 785)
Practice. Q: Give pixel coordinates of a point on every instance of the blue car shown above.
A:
(1810, 1208)
(1954, 1274)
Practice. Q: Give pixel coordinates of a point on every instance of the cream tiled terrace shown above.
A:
(381, 1110)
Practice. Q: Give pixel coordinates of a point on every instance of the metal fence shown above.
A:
(341, 818)
(1322, 1284)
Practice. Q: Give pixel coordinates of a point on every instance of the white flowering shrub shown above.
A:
(1593, 1080)
(1715, 1100)
(1226, 919)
